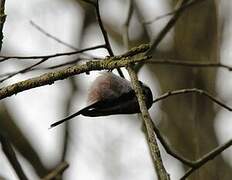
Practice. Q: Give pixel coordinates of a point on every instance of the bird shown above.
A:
(110, 94)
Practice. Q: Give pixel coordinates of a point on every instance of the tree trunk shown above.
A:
(189, 119)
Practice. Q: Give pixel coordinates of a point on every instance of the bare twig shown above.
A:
(23, 70)
(193, 90)
(156, 157)
(57, 171)
(189, 63)
(46, 68)
(11, 156)
(193, 164)
(43, 31)
(104, 32)
(33, 68)
(200, 162)
(44, 59)
(3, 58)
(126, 25)
(131, 53)
(206, 158)
(63, 64)
(188, 5)
(160, 137)
(167, 28)
(40, 29)
(169, 150)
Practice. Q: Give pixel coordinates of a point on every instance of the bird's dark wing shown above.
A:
(124, 104)
(121, 105)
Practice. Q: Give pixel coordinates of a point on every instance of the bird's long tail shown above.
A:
(65, 119)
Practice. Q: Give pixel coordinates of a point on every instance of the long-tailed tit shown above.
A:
(109, 95)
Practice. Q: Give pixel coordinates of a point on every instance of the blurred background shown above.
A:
(115, 147)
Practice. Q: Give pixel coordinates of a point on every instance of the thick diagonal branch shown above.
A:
(155, 152)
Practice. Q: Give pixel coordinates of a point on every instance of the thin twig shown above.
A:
(193, 90)
(11, 156)
(169, 150)
(159, 136)
(153, 146)
(3, 58)
(64, 64)
(137, 50)
(104, 32)
(188, 5)
(189, 63)
(167, 28)
(23, 70)
(57, 171)
(33, 68)
(125, 34)
(47, 67)
(105, 35)
(43, 31)
(206, 158)
(40, 29)
(44, 59)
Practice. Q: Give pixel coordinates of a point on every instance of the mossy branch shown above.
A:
(49, 78)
